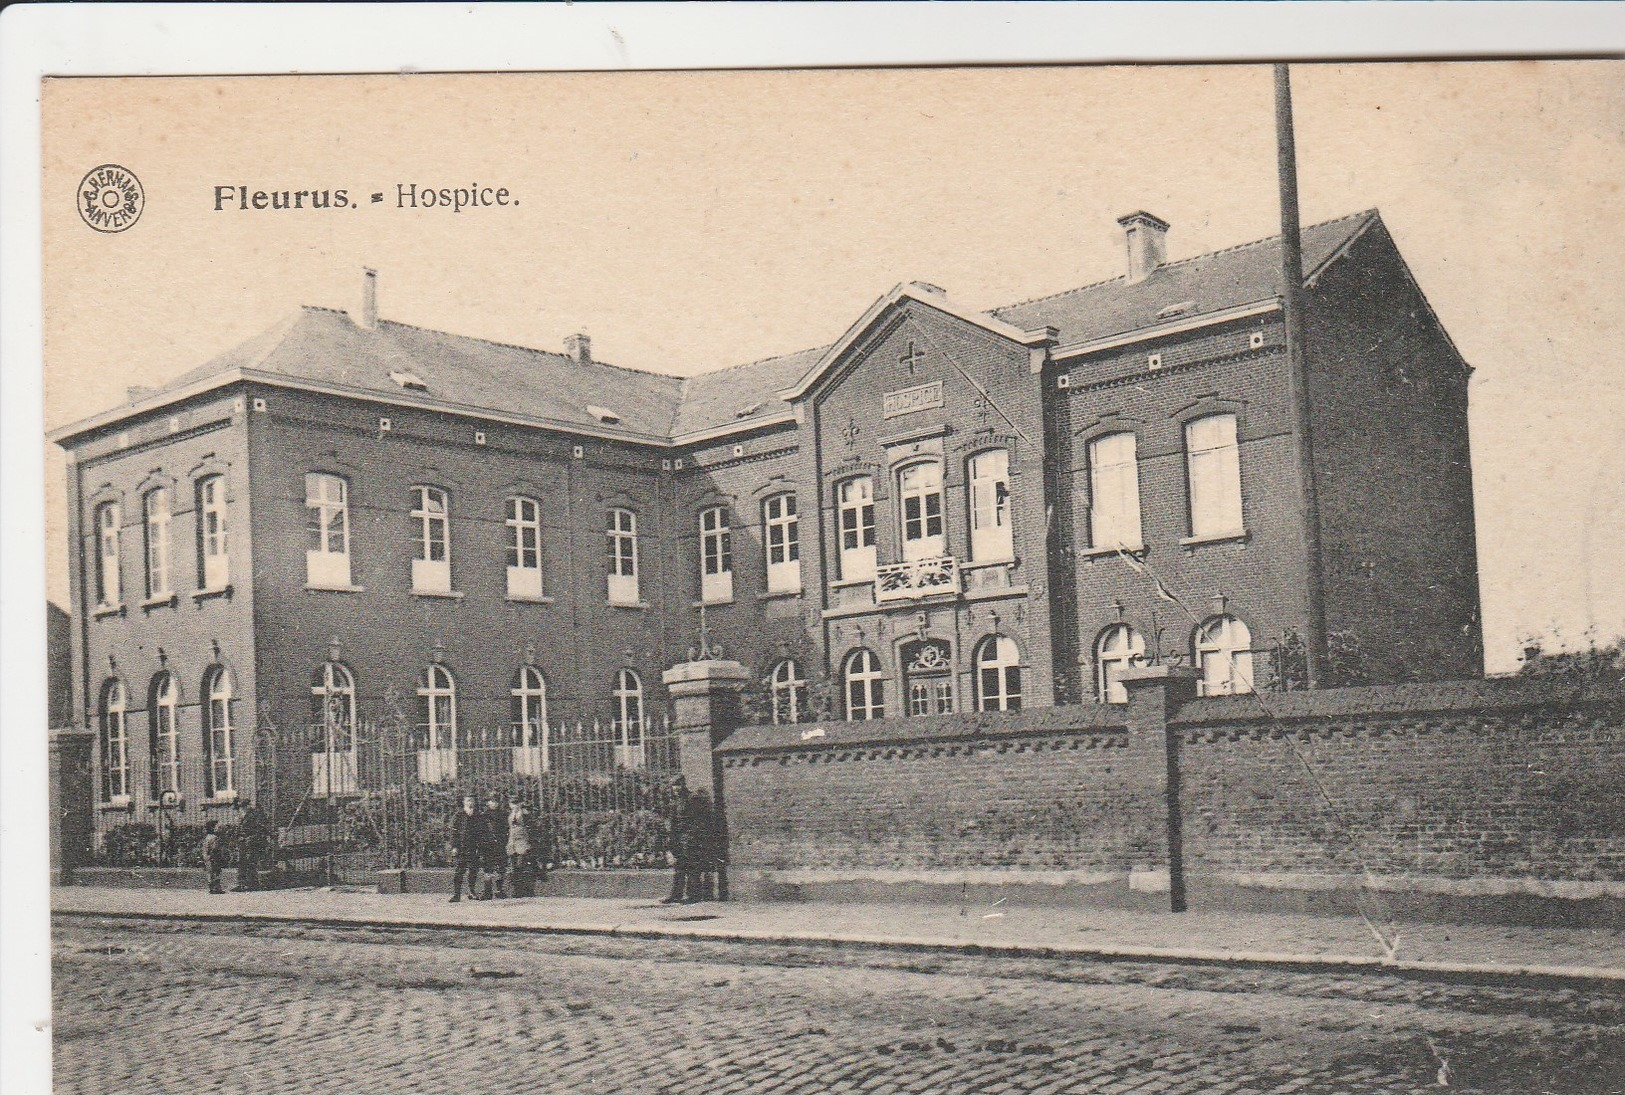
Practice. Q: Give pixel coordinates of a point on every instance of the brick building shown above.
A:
(930, 514)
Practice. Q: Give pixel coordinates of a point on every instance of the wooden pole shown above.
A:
(1292, 295)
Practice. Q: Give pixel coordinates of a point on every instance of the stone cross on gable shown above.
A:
(911, 357)
(850, 434)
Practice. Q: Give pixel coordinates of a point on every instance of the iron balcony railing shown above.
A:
(916, 578)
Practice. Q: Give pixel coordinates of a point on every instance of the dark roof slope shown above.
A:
(722, 397)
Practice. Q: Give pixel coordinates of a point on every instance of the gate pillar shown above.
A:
(72, 802)
(705, 709)
(1155, 695)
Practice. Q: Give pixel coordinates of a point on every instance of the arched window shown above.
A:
(163, 720)
(783, 536)
(156, 508)
(990, 536)
(524, 548)
(928, 677)
(716, 555)
(627, 700)
(789, 692)
(108, 589)
(998, 674)
(1114, 492)
(219, 732)
(1213, 469)
(1118, 648)
(855, 499)
(529, 693)
(327, 527)
(622, 544)
(1224, 656)
(431, 534)
(438, 693)
(115, 743)
(919, 506)
(865, 688)
(213, 564)
(332, 738)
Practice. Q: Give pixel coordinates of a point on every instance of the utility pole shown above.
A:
(1297, 376)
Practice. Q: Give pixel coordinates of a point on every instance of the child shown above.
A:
(214, 857)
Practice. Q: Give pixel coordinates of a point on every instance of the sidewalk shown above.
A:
(1206, 937)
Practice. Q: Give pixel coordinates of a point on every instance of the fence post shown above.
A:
(72, 802)
(1155, 693)
(706, 709)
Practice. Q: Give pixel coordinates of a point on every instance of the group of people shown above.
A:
(253, 847)
(696, 845)
(497, 853)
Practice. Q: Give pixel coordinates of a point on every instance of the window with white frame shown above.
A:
(437, 733)
(219, 732)
(333, 737)
(626, 699)
(115, 743)
(327, 541)
(1114, 492)
(920, 509)
(928, 677)
(990, 536)
(524, 523)
(998, 674)
(214, 567)
(1118, 649)
(1224, 657)
(789, 692)
(865, 686)
(716, 555)
(1213, 464)
(431, 549)
(108, 589)
(783, 543)
(855, 501)
(529, 695)
(622, 546)
(165, 734)
(156, 508)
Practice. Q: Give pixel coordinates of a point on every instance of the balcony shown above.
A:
(916, 578)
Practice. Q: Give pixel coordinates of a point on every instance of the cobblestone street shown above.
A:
(176, 1006)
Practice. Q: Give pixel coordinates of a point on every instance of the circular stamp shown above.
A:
(111, 198)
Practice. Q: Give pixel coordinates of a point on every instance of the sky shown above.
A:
(690, 221)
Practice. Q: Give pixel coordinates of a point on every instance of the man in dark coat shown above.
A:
(678, 844)
(253, 843)
(494, 853)
(468, 840)
(699, 822)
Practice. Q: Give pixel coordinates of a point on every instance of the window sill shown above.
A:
(1135, 550)
(223, 799)
(847, 583)
(1216, 538)
(982, 564)
(439, 594)
(525, 600)
(205, 594)
(334, 589)
(778, 594)
(635, 605)
(107, 610)
(711, 603)
(122, 803)
(164, 600)
(995, 594)
(178, 804)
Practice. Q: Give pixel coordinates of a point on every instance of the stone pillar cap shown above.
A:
(1158, 673)
(712, 669)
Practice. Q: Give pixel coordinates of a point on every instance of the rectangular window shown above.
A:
(783, 544)
(622, 546)
(431, 528)
(157, 513)
(716, 555)
(990, 536)
(856, 502)
(108, 589)
(524, 548)
(920, 487)
(327, 541)
(214, 567)
(1114, 492)
(1214, 469)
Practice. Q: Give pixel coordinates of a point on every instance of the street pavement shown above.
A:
(274, 1006)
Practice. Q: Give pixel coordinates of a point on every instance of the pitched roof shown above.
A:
(326, 347)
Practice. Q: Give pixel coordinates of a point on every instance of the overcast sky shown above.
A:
(692, 221)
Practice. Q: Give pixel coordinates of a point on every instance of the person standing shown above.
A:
(253, 841)
(698, 822)
(520, 852)
(467, 841)
(677, 840)
(494, 855)
(214, 857)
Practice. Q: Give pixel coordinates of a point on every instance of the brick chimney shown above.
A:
(579, 347)
(369, 297)
(1146, 238)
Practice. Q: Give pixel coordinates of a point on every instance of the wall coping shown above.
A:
(1399, 700)
(962, 726)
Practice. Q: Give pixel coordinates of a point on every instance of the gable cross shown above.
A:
(911, 357)
(851, 433)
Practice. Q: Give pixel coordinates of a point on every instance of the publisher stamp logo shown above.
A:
(111, 198)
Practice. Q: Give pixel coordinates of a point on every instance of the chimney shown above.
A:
(1147, 240)
(369, 297)
(579, 347)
